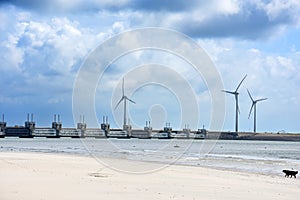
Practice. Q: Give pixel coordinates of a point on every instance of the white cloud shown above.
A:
(42, 53)
(281, 8)
(269, 75)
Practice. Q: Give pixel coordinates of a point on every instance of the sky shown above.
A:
(43, 45)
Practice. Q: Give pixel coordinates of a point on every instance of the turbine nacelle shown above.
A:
(236, 94)
(229, 92)
(124, 98)
(253, 106)
(236, 90)
(254, 102)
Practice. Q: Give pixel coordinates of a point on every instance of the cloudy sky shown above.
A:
(44, 43)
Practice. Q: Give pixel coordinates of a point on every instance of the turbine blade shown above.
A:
(130, 100)
(261, 99)
(251, 110)
(226, 91)
(119, 102)
(250, 96)
(123, 93)
(240, 83)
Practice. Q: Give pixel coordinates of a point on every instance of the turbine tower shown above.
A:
(125, 99)
(236, 95)
(254, 106)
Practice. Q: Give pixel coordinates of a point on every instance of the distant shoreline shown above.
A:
(270, 136)
(254, 136)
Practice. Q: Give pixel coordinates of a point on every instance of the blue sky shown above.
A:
(44, 43)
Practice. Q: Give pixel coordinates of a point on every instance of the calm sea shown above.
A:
(253, 156)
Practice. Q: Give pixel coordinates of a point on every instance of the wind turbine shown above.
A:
(254, 106)
(124, 98)
(236, 95)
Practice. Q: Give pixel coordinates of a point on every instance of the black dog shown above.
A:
(289, 173)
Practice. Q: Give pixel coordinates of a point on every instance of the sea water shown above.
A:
(266, 157)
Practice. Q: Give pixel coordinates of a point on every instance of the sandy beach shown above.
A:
(50, 176)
